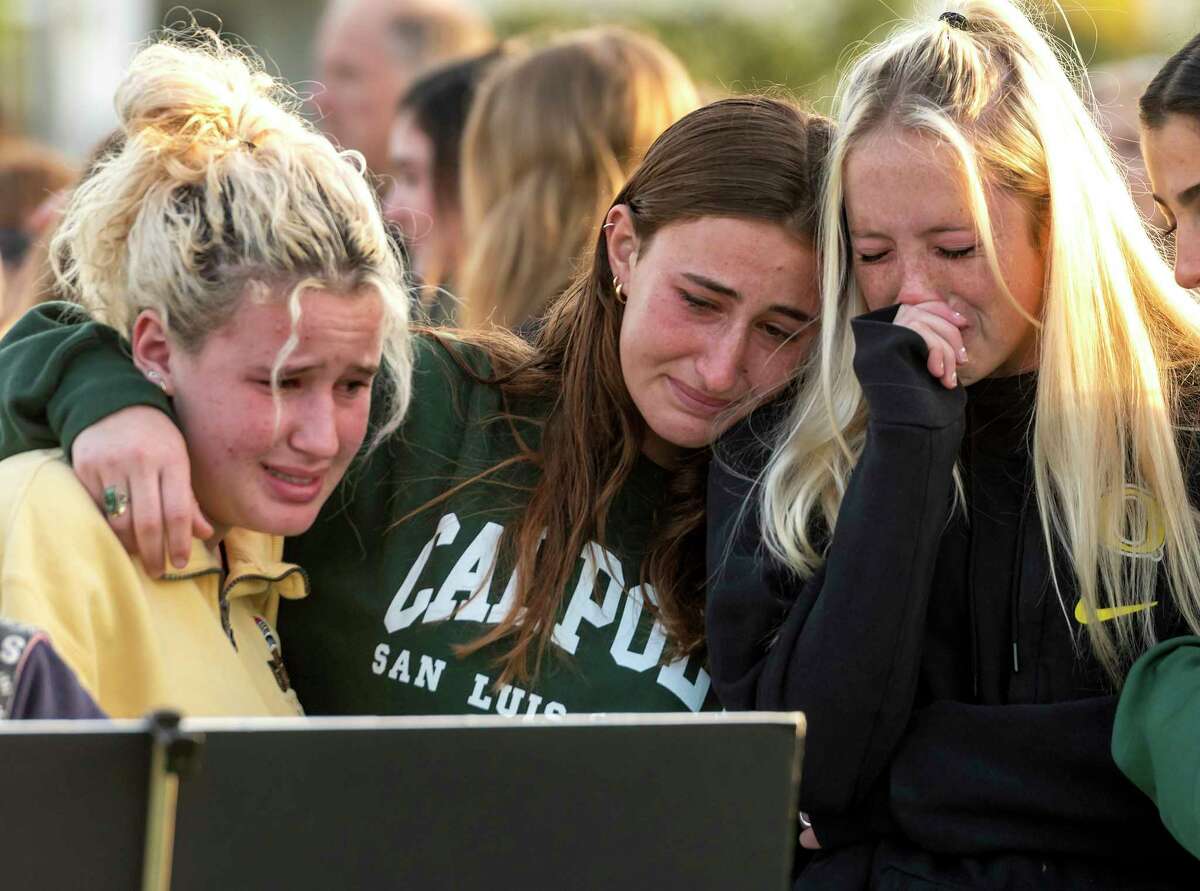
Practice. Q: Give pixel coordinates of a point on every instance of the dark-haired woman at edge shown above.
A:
(1158, 720)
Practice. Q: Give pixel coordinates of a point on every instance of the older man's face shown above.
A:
(362, 82)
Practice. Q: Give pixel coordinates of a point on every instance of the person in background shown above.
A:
(979, 512)
(244, 262)
(369, 51)
(29, 174)
(32, 280)
(423, 167)
(550, 138)
(32, 176)
(1158, 719)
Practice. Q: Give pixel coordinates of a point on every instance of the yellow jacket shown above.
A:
(194, 641)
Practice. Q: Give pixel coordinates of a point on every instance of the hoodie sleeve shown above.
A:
(844, 647)
(62, 373)
(750, 594)
(1154, 739)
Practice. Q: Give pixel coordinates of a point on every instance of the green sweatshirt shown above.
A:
(392, 599)
(1156, 734)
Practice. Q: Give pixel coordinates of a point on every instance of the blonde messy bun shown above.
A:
(219, 183)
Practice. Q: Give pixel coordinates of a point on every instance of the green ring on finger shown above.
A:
(116, 502)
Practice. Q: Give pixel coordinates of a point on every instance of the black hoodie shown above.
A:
(958, 726)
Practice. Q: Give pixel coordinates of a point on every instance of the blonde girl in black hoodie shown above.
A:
(997, 443)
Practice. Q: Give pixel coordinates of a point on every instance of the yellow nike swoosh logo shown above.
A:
(1108, 613)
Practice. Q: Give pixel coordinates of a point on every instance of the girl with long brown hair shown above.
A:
(540, 500)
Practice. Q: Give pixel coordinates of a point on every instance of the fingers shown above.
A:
(96, 483)
(161, 515)
(940, 327)
(181, 515)
(141, 453)
(202, 528)
(949, 333)
(808, 840)
(146, 508)
(941, 362)
(943, 310)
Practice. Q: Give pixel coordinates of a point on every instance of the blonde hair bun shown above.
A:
(193, 103)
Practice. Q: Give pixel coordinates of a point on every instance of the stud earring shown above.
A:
(155, 378)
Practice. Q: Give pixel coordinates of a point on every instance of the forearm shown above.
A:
(61, 373)
(849, 649)
(848, 655)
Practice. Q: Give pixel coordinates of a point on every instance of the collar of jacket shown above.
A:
(255, 562)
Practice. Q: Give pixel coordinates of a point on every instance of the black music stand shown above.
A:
(581, 802)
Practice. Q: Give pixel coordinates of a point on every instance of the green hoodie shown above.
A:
(391, 600)
(1156, 734)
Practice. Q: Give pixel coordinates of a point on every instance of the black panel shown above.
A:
(74, 810)
(688, 807)
(322, 805)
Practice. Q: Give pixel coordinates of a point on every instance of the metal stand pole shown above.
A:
(172, 754)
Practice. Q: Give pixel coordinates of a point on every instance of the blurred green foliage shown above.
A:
(797, 47)
(726, 51)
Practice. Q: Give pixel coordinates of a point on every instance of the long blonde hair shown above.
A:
(551, 137)
(218, 184)
(1118, 341)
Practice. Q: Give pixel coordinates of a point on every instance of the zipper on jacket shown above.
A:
(231, 581)
(1015, 585)
(969, 482)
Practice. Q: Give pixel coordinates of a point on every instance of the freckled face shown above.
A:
(913, 240)
(1172, 154)
(246, 471)
(718, 316)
